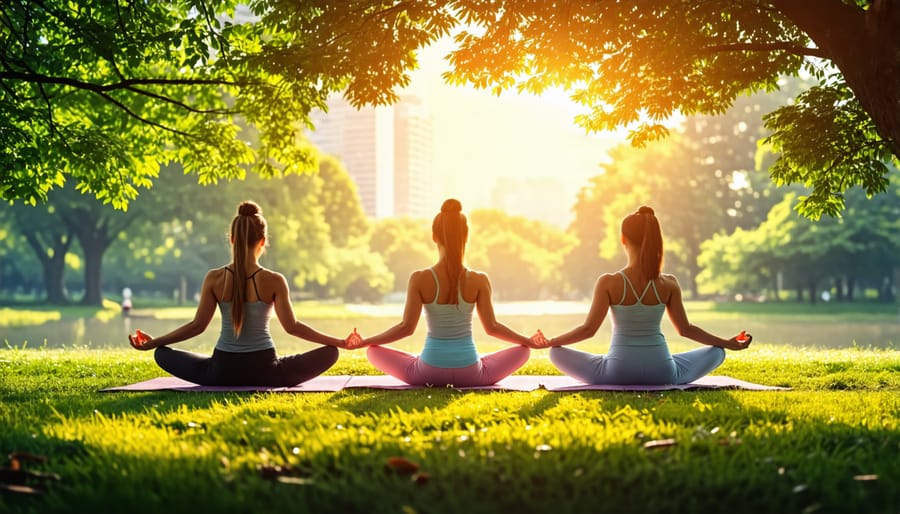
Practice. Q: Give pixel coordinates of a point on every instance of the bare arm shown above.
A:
(488, 319)
(411, 313)
(206, 309)
(284, 309)
(595, 316)
(679, 319)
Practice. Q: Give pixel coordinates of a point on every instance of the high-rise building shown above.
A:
(413, 159)
(387, 151)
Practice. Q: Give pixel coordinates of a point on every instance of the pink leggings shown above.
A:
(488, 370)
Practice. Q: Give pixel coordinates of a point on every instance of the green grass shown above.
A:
(804, 450)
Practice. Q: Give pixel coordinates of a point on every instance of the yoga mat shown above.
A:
(511, 383)
(332, 383)
(564, 383)
(322, 383)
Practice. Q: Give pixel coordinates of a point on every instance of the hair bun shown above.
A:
(248, 208)
(451, 205)
(645, 210)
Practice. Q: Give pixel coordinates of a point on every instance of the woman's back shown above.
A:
(448, 320)
(255, 333)
(637, 314)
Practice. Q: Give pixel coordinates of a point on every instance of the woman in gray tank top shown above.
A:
(638, 353)
(246, 294)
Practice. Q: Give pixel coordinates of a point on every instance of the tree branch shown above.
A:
(136, 116)
(768, 47)
(183, 105)
(124, 84)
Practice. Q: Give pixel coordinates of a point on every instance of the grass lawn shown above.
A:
(832, 444)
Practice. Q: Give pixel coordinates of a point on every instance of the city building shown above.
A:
(387, 151)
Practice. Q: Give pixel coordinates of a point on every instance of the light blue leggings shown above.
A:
(637, 365)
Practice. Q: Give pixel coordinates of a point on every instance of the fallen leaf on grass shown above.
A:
(402, 465)
(659, 443)
(865, 478)
(19, 489)
(14, 479)
(294, 480)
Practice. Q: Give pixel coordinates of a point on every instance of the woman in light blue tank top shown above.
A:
(449, 294)
(246, 295)
(638, 353)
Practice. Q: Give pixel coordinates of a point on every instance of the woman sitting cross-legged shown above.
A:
(449, 293)
(638, 295)
(245, 294)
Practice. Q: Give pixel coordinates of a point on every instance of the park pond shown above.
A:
(825, 327)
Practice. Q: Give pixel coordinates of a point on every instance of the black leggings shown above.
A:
(259, 368)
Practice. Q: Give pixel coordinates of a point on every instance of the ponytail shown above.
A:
(451, 230)
(642, 228)
(247, 228)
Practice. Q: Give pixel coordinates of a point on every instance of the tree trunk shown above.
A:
(53, 264)
(93, 277)
(885, 292)
(53, 271)
(864, 46)
(812, 291)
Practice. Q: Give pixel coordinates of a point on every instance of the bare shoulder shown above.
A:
(214, 277)
(607, 280)
(478, 278)
(606, 277)
(668, 287)
(418, 275)
(480, 275)
(272, 277)
(668, 280)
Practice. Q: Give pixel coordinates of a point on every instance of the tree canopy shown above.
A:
(103, 92)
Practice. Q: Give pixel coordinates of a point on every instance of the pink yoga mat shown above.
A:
(332, 383)
(512, 383)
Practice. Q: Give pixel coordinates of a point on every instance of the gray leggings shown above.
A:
(637, 365)
(259, 368)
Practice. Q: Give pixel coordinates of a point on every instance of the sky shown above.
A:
(525, 146)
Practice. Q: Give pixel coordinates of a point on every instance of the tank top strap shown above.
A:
(224, 282)
(655, 291)
(625, 290)
(253, 278)
(437, 285)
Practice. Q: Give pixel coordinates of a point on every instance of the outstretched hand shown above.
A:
(140, 340)
(739, 342)
(354, 340)
(539, 340)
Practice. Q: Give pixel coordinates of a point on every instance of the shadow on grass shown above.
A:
(807, 467)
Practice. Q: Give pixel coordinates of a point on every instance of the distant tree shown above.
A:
(49, 239)
(583, 264)
(858, 248)
(405, 245)
(523, 257)
(340, 200)
(20, 269)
